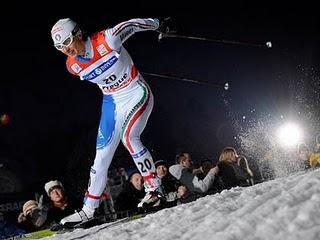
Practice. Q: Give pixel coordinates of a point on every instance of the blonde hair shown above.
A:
(243, 163)
(228, 154)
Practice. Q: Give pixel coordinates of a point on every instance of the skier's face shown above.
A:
(75, 48)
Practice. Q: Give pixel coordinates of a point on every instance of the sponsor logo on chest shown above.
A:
(76, 68)
(102, 50)
(98, 70)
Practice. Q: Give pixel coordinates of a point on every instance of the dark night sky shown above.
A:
(54, 115)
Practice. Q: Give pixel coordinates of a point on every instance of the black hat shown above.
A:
(131, 172)
(160, 162)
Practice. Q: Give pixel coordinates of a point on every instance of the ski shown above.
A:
(93, 223)
(37, 235)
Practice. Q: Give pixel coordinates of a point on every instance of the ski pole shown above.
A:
(172, 35)
(184, 79)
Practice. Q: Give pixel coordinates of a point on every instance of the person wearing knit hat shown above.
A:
(170, 184)
(27, 209)
(61, 203)
(57, 194)
(34, 212)
(130, 173)
(160, 162)
(161, 168)
(29, 206)
(49, 186)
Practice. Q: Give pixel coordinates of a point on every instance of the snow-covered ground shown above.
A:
(284, 208)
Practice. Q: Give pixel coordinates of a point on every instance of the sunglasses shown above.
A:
(66, 43)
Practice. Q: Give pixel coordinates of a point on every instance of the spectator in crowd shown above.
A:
(132, 193)
(185, 196)
(169, 183)
(117, 176)
(231, 173)
(34, 215)
(106, 211)
(304, 155)
(59, 204)
(205, 167)
(244, 165)
(315, 156)
(183, 171)
(121, 172)
(175, 192)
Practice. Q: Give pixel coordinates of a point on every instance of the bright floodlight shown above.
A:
(289, 134)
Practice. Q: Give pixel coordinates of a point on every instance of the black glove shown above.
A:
(56, 226)
(38, 216)
(166, 25)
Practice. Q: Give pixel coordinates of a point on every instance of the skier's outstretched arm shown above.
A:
(117, 35)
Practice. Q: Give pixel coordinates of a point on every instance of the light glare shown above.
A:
(289, 134)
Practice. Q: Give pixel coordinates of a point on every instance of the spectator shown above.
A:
(183, 171)
(59, 203)
(185, 196)
(231, 173)
(106, 211)
(33, 216)
(205, 167)
(169, 183)
(315, 156)
(304, 155)
(244, 165)
(131, 195)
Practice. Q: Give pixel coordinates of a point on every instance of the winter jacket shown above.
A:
(191, 181)
(315, 159)
(233, 175)
(129, 198)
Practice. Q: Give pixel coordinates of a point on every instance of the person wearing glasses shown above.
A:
(127, 101)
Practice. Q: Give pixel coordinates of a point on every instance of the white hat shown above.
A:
(52, 184)
(62, 29)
